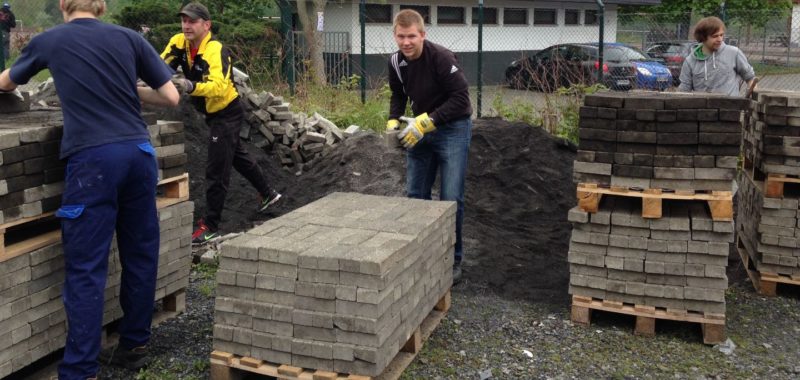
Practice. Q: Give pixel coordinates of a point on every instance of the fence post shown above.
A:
(601, 17)
(362, 19)
(2, 51)
(288, 43)
(480, 56)
(764, 47)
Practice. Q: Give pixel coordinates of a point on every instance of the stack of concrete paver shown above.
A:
(10, 103)
(298, 139)
(660, 140)
(32, 319)
(676, 262)
(769, 229)
(168, 138)
(32, 175)
(772, 137)
(337, 285)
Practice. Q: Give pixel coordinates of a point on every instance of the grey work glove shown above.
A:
(14, 92)
(183, 85)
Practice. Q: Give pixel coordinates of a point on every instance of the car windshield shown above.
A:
(624, 53)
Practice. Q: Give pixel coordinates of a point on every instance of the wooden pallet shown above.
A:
(765, 283)
(719, 202)
(173, 190)
(16, 238)
(774, 184)
(713, 325)
(29, 234)
(227, 366)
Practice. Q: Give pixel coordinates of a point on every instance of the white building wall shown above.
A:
(464, 38)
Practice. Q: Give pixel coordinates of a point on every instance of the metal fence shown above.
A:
(496, 50)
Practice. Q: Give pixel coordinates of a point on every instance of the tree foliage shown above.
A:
(748, 12)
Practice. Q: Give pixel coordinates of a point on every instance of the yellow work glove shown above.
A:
(413, 133)
(392, 124)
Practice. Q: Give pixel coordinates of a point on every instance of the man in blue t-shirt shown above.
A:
(111, 175)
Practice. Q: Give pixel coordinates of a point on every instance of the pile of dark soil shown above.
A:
(519, 189)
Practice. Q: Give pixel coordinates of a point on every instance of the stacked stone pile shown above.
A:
(298, 139)
(660, 140)
(32, 319)
(337, 285)
(769, 229)
(32, 175)
(676, 262)
(667, 141)
(772, 137)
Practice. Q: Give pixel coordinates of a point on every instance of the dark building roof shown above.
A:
(615, 2)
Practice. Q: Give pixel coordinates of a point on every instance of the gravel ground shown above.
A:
(486, 334)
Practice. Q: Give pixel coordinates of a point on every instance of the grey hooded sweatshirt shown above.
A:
(716, 73)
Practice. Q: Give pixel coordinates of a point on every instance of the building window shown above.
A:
(379, 13)
(489, 16)
(544, 17)
(515, 16)
(590, 17)
(450, 15)
(572, 17)
(424, 10)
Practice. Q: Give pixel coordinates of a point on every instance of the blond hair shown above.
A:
(408, 17)
(96, 7)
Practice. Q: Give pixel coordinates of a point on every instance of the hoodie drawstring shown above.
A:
(705, 69)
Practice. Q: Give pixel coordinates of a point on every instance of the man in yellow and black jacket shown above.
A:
(207, 67)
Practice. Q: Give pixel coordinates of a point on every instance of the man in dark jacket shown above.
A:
(7, 21)
(438, 139)
(208, 68)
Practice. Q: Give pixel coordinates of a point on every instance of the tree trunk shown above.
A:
(313, 38)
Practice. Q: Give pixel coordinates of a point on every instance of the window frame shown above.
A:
(554, 12)
(577, 13)
(368, 20)
(475, 16)
(524, 10)
(462, 21)
(586, 13)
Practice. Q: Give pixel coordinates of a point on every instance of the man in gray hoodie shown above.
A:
(713, 66)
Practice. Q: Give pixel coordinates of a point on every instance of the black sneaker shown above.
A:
(203, 234)
(456, 273)
(270, 200)
(134, 359)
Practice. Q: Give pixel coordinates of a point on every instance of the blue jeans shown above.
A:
(443, 151)
(108, 188)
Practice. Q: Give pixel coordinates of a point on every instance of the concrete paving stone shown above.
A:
(652, 290)
(663, 279)
(677, 127)
(597, 134)
(778, 221)
(580, 236)
(769, 239)
(716, 271)
(596, 123)
(665, 257)
(632, 171)
(662, 223)
(670, 235)
(704, 161)
(730, 115)
(633, 265)
(708, 283)
(246, 280)
(587, 112)
(768, 258)
(587, 248)
(707, 114)
(617, 263)
(656, 245)
(226, 277)
(605, 100)
(673, 173)
(646, 114)
(666, 115)
(775, 230)
(698, 246)
(630, 182)
(626, 114)
(588, 270)
(631, 231)
(787, 242)
(729, 162)
(643, 159)
(694, 258)
(677, 246)
(715, 173)
(678, 138)
(636, 242)
(626, 253)
(674, 269)
(653, 267)
(623, 158)
(788, 261)
(718, 150)
(592, 168)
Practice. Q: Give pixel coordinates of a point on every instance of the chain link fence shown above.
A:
(514, 54)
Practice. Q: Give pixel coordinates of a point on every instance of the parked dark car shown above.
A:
(566, 64)
(673, 53)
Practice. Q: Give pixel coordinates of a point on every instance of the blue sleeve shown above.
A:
(151, 68)
(31, 61)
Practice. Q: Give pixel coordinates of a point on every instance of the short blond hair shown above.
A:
(408, 17)
(96, 7)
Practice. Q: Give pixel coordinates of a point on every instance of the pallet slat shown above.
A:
(765, 283)
(646, 316)
(720, 202)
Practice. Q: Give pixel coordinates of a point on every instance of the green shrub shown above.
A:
(342, 105)
(517, 110)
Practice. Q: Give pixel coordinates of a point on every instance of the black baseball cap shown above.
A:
(195, 11)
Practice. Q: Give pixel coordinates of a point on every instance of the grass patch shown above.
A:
(764, 69)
